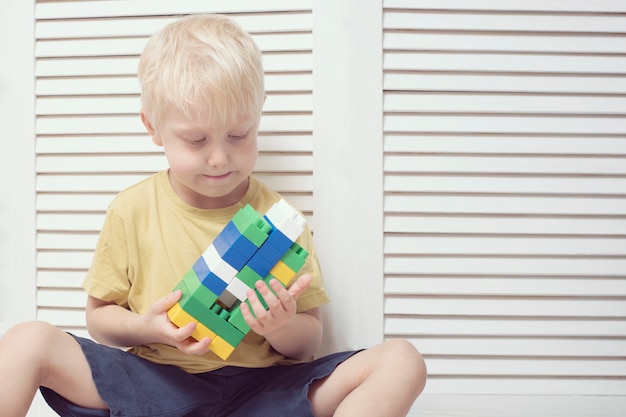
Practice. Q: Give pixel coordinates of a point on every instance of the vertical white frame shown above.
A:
(17, 163)
(348, 168)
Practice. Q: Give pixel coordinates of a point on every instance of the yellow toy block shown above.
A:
(221, 347)
(282, 273)
(181, 318)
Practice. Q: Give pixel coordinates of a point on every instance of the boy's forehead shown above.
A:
(180, 120)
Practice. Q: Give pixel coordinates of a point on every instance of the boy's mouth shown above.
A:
(218, 177)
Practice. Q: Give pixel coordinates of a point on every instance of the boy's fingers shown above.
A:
(255, 308)
(300, 285)
(165, 303)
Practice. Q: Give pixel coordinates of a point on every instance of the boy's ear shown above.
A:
(150, 128)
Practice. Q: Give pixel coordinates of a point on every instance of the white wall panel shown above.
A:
(505, 193)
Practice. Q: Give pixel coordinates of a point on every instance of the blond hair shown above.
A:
(203, 66)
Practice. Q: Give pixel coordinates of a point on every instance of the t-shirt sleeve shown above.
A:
(108, 276)
(315, 295)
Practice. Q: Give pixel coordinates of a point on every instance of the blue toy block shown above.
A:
(229, 252)
(214, 283)
(278, 239)
(269, 252)
(235, 238)
(259, 265)
(201, 269)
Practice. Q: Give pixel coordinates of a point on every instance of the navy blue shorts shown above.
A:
(134, 387)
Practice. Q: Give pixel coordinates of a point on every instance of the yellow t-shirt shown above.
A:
(151, 238)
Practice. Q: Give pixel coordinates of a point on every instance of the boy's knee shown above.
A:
(30, 338)
(404, 354)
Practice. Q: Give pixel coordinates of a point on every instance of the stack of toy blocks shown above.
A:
(250, 248)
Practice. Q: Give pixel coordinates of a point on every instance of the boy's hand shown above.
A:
(281, 306)
(157, 322)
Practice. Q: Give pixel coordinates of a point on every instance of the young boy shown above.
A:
(202, 95)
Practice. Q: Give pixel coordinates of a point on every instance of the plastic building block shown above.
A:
(245, 251)
(240, 242)
(229, 252)
(236, 319)
(286, 219)
(248, 276)
(251, 225)
(295, 257)
(181, 318)
(217, 265)
(227, 299)
(195, 287)
(238, 288)
(221, 348)
(282, 273)
(259, 265)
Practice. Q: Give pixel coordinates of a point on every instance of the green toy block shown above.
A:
(210, 316)
(237, 320)
(248, 276)
(252, 225)
(195, 287)
(295, 257)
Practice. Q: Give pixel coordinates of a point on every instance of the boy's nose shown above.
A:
(217, 157)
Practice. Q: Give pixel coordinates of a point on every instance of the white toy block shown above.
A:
(217, 265)
(237, 288)
(286, 219)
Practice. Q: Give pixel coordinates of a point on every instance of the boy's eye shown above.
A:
(196, 141)
(237, 137)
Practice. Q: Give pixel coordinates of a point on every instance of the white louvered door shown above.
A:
(91, 143)
(505, 193)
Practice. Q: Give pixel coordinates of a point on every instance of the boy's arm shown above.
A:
(114, 325)
(301, 337)
(295, 335)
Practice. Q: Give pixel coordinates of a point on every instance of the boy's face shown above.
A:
(209, 162)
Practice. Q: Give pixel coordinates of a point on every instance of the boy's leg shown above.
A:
(382, 381)
(37, 353)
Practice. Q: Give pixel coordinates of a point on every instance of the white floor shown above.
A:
(439, 405)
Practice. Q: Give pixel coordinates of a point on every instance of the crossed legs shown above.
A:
(382, 381)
